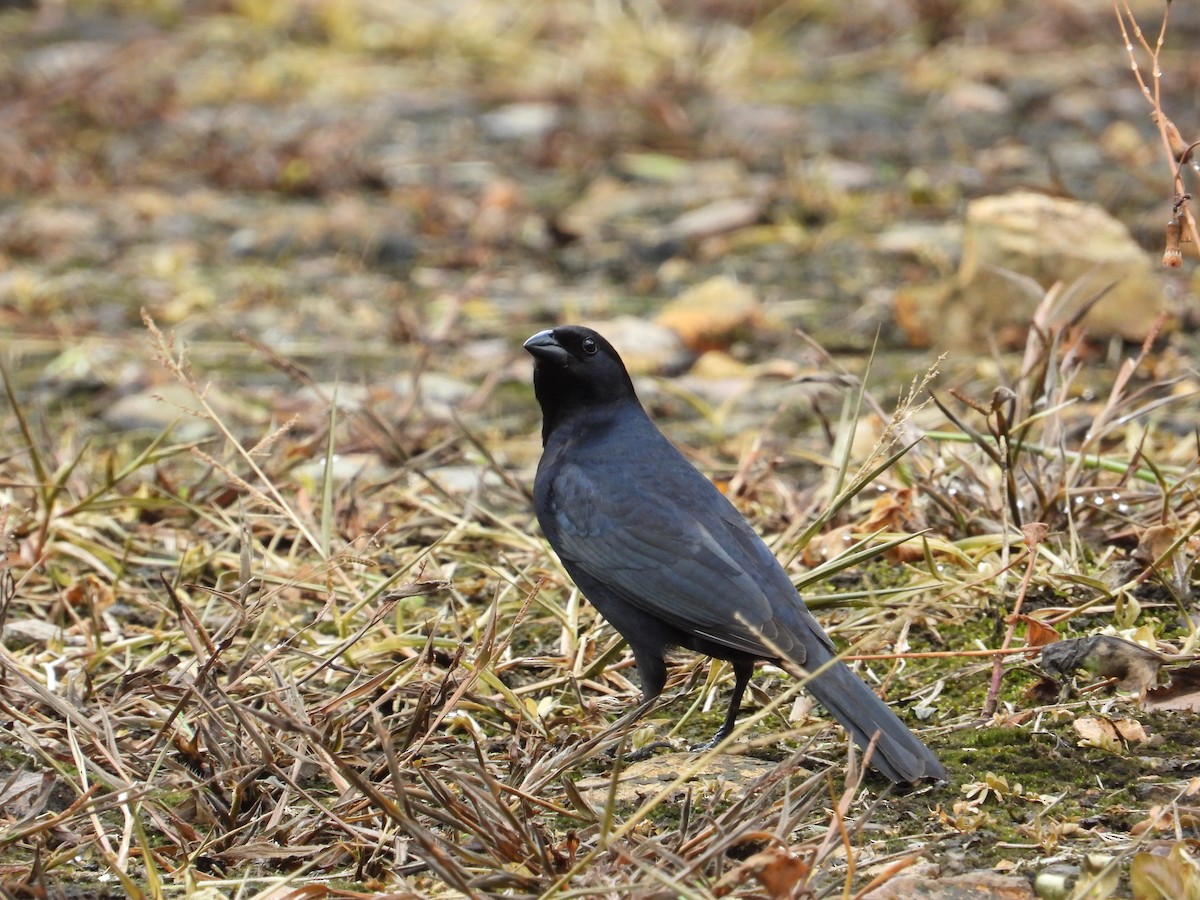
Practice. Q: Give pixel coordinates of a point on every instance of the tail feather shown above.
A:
(898, 753)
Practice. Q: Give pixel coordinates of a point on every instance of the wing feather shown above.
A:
(663, 558)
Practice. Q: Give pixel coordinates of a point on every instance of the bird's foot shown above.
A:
(709, 744)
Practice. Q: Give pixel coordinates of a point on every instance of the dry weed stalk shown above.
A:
(1181, 226)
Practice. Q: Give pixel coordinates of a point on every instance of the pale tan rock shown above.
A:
(712, 314)
(647, 348)
(974, 98)
(1042, 240)
(719, 364)
(645, 778)
(980, 885)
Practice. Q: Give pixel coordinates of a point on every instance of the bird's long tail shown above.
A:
(898, 753)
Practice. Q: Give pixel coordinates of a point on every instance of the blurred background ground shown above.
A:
(357, 184)
(378, 201)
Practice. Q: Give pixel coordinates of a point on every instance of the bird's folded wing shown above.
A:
(680, 562)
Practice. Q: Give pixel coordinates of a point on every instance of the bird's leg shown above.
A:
(742, 670)
(652, 669)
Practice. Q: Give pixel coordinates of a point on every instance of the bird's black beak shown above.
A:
(543, 346)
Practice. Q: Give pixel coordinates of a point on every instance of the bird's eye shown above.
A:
(589, 346)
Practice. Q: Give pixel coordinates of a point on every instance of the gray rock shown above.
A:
(158, 408)
(521, 121)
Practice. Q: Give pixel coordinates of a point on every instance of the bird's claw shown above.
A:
(709, 744)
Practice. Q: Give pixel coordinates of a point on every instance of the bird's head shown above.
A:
(575, 369)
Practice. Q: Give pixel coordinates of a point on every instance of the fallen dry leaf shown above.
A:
(1157, 818)
(1154, 546)
(89, 594)
(964, 817)
(1182, 693)
(893, 510)
(992, 785)
(824, 547)
(1034, 533)
(1108, 734)
(1011, 719)
(1131, 730)
(25, 794)
(1037, 633)
(1175, 876)
(777, 869)
(1164, 818)
(1154, 542)
(1097, 732)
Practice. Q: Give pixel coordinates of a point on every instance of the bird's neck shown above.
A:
(563, 400)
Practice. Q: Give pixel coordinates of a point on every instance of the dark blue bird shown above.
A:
(668, 560)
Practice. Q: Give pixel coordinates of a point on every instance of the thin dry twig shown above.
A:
(1181, 213)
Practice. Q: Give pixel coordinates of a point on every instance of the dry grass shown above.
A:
(323, 648)
(217, 673)
(212, 680)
